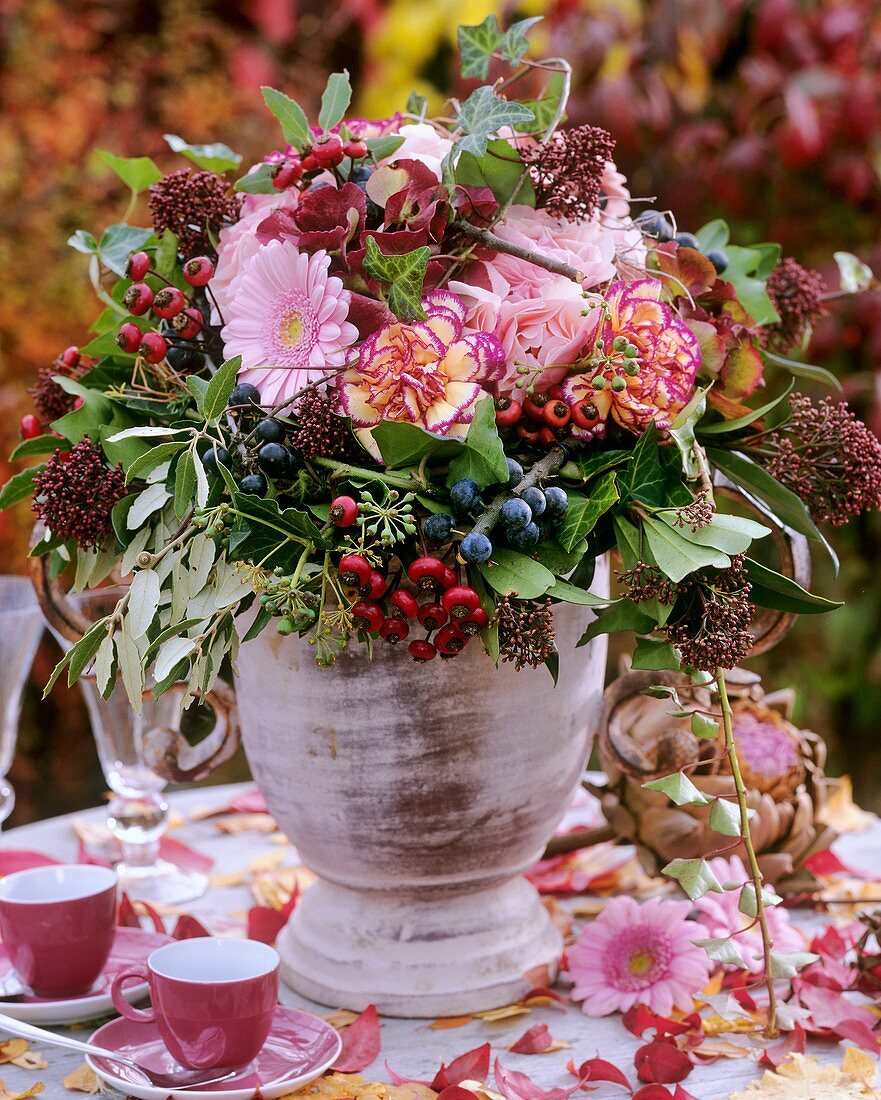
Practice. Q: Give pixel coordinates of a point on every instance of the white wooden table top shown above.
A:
(411, 1047)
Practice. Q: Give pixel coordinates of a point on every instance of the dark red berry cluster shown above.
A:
(327, 151)
(543, 419)
(450, 616)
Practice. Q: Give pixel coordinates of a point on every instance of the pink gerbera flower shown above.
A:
(721, 917)
(287, 320)
(638, 954)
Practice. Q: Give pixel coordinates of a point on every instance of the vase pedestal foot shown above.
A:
(417, 956)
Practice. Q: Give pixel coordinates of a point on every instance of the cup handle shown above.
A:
(141, 1016)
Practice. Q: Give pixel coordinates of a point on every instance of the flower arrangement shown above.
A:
(406, 379)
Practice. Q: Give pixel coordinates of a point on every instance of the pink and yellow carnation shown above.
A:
(666, 361)
(430, 373)
(639, 954)
(287, 320)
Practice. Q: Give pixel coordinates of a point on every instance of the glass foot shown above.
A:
(161, 883)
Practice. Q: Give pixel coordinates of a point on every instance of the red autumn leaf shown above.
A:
(662, 1061)
(679, 1093)
(828, 1008)
(640, 1018)
(399, 1079)
(651, 1092)
(249, 802)
(793, 1043)
(126, 914)
(859, 1032)
(361, 1043)
(831, 944)
(744, 999)
(455, 1092)
(189, 928)
(473, 1065)
(597, 1069)
(535, 1040)
(542, 992)
(517, 1086)
(265, 923)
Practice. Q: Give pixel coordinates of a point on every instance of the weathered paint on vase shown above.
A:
(419, 794)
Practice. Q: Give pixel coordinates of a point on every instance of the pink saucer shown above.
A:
(131, 946)
(300, 1048)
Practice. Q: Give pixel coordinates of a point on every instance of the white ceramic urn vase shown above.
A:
(419, 794)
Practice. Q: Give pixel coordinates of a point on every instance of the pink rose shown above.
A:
(423, 143)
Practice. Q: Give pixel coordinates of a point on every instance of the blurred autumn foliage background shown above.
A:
(766, 112)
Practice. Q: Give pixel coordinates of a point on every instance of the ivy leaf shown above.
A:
(747, 903)
(714, 234)
(219, 388)
(694, 876)
(402, 444)
(744, 271)
(675, 554)
(654, 656)
(725, 818)
(510, 573)
(118, 243)
(216, 157)
(137, 172)
(20, 486)
(83, 241)
(703, 727)
(477, 44)
(404, 274)
(500, 169)
(483, 459)
(584, 511)
(484, 113)
(294, 124)
(722, 951)
(335, 100)
(264, 532)
(679, 789)
(516, 42)
(772, 589)
(259, 181)
(788, 965)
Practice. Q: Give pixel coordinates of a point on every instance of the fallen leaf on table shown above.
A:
(352, 1086)
(859, 1064)
(538, 1040)
(10, 1049)
(341, 1018)
(82, 1080)
(34, 1090)
(544, 997)
(803, 1077)
(410, 1090)
(662, 1062)
(841, 813)
(361, 1043)
(721, 1048)
(598, 1069)
(506, 1012)
(517, 1086)
(247, 823)
(447, 1023)
(473, 1065)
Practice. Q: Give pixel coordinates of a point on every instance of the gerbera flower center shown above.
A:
(291, 329)
(640, 957)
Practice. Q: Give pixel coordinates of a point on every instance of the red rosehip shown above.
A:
(555, 392)
(168, 302)
(432, 615)
(309, 163)
(188, 323)
(129, 337)
(460, 601)
(70, 357)
(533, 405)
(354, 570)
(367, 616)
(421, 651)
(328, 150)
(343, 511)
(404, 604)
(198, 271)
(528, 435)
(585, 414)
(138, 299)
(478, 620)
(287, 174)
(448, 579)
(374, 587)
(508, 411)
(138, 265)
(394, 630)
(556, 414)
(29, 428)
(356, 149)
(450, 640)
(153, 347)
(546, 436)
(425, 572)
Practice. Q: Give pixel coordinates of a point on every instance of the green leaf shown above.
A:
(404, 274)
(547, 109)
(216, 157)
(723, 427)
(675, 555)
(654, 476)
(477, 44)
(417, 104)
(551, 554)
(703, 727)
(725, 818)
(484, 113)
(516, 42)
(335, 100)
(587, 466)
(137, 172)
(621, 616)
(219, 388)
(722, 950)
(40, 445)
(747, 903)
(730, 534)
(383, 147)
(265, 533)
(198, 387)
(106, 344)
(772, 589)
(118, 243)
(746, 270)
(788, 965)
(259, 181)
(584, 511)
(714, 234)
(694, 876)
(483, 459)
(294, 124)
(261, 620)
(654, 655)
(184, 483)
(84, 650)
(402, 444)
(855, 275)
(510, 573)
(500, 169)
(165, 257)
(143, 601)
(804, 370)
(84, 242)
(746, 474)
(570, 593)
(679, 789)
(19, 487)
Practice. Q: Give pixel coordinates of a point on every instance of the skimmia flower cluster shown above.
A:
(404, 380)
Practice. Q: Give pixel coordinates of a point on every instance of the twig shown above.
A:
(545, 467)
(498, 244)
(579, 838)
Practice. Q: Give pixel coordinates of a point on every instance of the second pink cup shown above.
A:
(213, 999)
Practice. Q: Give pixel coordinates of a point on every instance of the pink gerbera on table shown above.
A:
(287, 320)
(638, 954)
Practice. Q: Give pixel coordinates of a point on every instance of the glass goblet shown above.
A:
(20, 628)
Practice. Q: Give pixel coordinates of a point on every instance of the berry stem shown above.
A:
(400, 481)
(756, 874)
(498, 244)
(540, 470)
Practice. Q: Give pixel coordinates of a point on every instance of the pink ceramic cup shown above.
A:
(57, 925)
(213, 999)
